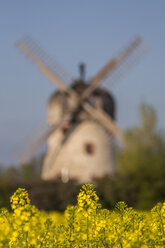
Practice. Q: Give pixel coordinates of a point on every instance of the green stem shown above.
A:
(44, 238)
(87, 231)
(162, 228)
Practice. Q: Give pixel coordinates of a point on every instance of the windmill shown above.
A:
(81, 117)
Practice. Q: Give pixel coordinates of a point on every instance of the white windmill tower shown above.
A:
(80, 140)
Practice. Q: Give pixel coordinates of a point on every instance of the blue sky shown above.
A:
(74, 31)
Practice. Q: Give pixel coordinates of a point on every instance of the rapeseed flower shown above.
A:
(85, 225)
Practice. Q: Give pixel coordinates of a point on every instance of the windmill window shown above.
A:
(64, 129)
(89, 148)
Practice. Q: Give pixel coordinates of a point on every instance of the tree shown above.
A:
(143, 159)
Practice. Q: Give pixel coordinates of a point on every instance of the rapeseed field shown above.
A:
(85, 225)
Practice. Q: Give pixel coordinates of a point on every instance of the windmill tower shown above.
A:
(81, 118)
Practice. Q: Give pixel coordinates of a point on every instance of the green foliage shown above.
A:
(143, 159)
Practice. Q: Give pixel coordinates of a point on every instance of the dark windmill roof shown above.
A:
(79, 86)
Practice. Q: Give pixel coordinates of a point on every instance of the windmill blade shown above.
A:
(27, 155)
(124, 66)
(113, 64)
(36, 49)
(41, 59)
(104, 119)
(36, 145)
(53, 157)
